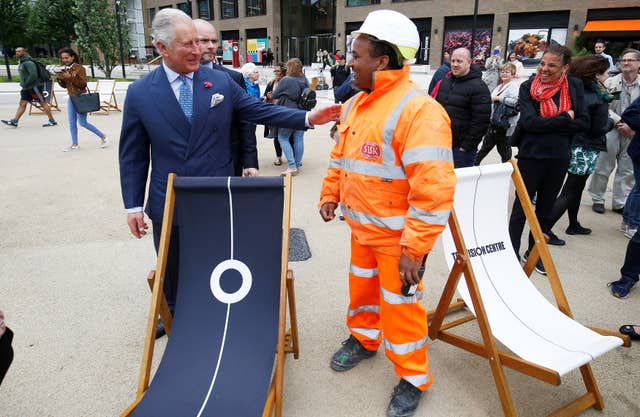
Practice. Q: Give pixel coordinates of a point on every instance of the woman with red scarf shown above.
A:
(551, 111)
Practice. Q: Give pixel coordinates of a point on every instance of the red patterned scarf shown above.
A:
(544, 92)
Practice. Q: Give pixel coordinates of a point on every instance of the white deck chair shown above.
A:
(546, 341)
(108, 101)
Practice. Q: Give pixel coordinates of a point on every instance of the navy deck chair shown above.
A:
(228, 338)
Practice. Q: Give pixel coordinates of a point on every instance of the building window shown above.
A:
(256, 7)
(351, 3)
(152, 14)
(229, 9)
(205, 9)
(168, 6)
(185, 7)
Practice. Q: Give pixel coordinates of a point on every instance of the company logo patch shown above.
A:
(370, 150)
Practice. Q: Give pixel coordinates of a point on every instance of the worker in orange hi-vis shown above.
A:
(391, 171)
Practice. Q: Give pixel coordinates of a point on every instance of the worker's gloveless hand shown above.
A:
(328, 211)
(408, 270)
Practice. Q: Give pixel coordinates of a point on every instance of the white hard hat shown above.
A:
(392, 27)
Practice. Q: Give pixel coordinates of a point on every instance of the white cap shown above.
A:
(394, 28)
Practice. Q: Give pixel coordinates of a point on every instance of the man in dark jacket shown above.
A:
(31, 89)
(243, 137)
(339, 74)
(467, 100)
(441, 72)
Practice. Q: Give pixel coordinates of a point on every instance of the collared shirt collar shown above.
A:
(208, 64)
(172, 75)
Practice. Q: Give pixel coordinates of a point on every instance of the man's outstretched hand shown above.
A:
(328, 211)
(320, 116)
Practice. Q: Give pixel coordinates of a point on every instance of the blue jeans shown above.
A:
(631, 214)
(74, 117)
(293, 155)
(462, 159)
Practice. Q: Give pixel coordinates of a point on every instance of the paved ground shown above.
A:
(72, 285)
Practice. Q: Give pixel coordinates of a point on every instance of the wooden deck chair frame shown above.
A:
(487, 349)
(287, 339)
(53, 104)
(109, 105)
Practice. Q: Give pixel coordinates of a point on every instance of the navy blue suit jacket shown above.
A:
(155, 130)
(244, 151)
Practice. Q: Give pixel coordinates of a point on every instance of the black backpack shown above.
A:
(307, 99)
(43, 73)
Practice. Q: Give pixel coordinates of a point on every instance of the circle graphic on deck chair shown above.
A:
(220, 294)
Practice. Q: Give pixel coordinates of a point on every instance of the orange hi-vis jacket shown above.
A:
(391, 169)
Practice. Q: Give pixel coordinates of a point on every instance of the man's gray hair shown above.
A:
(162, 27)
(630, 51)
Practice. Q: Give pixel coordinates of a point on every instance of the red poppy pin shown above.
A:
(207, 84)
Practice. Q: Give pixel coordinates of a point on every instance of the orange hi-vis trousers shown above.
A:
(379, 313)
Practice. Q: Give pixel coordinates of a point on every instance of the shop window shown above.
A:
(152, 14)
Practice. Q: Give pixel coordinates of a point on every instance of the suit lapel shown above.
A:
(167, 105)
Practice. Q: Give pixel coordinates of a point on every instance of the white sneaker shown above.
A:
(631, 230)
(291, 171)
(71, 148)
(623, 227)
(103, 142)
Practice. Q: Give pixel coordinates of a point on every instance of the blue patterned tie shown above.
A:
(186, 98)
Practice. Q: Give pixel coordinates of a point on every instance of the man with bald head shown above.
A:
(467, 100)
(243, 136)
(177, 119)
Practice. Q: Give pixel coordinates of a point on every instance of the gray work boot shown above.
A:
(349, 355)
(404, 400)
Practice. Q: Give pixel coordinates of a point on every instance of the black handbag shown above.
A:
(501, 114)
(86, 103)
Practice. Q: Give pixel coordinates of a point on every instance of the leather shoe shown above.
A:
(618, 210)
(578, 230)
(629, 330)
(160, 331)
(598, 208)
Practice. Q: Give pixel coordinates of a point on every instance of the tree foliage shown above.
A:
(97, 33)
(13, 20)
(50, 21)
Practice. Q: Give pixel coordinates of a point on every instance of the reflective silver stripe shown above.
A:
(334, 163)
(370, 309)
(426, 153)
(392, 222)
(393, 298)
(404, 348)
(369, 333)
(436, 217)
(388, 155)
(373, 169)
(417, 380)
(363, 272)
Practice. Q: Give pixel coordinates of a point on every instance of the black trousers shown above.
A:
(6, 352)
(496, 136)
(543, 177)
(569, 200)
(171, 275)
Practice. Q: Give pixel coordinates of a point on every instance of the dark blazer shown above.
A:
(156, 131)
(243, 135)
(600, 123)
(550, 137)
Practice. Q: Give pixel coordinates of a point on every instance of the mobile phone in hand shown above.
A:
(408, 289)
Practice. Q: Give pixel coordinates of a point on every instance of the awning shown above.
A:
(623, 25)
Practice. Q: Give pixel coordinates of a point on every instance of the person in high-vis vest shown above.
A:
(391, 171)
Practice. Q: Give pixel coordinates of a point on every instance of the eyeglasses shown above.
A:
(624, 61)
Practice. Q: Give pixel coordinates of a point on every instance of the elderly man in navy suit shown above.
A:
(243, 135)
(178, 119)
